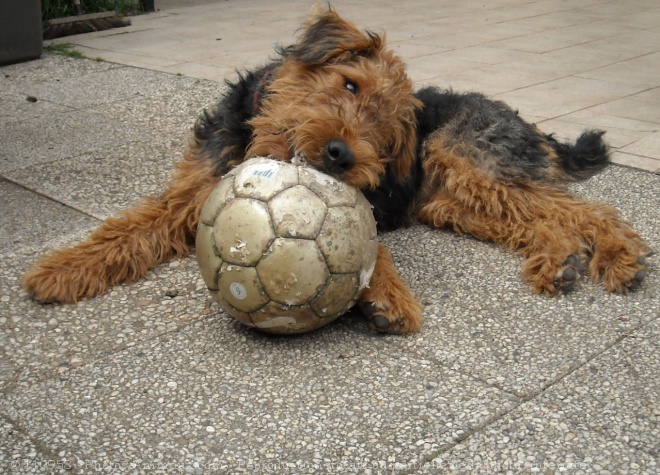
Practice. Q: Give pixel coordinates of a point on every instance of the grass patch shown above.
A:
(66, 49)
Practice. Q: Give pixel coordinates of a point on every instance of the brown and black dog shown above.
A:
(342, 100)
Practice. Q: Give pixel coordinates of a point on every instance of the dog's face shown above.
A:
(343, 102)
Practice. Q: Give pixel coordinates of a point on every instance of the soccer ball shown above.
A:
(285, 248)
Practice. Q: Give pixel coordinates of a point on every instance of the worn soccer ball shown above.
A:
(285, 248)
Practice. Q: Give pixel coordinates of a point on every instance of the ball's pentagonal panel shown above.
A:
(331, 190)
(283, 319)
(241, 287)
(242, 231)
(342, 240)
(297, 212)
(220, 195)
(243, 317)
(207, 256)
(292, 271)
(263, 178)
(331, 300)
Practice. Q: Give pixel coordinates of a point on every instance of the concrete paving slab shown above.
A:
(642, 71)
(241, 402)
(41, 342)
(648, 146)
(643, 163)
(61, 136)
(569, 94)
(30, 219)
(48, 69)
(109, 179)
(600, 419)
(17, 106)
(620, 131)
(640, 106)
(95, 89)
(105, 182)
(21, 455)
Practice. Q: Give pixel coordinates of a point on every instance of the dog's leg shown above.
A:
(555, 232)
(388, 302)
(125, 247)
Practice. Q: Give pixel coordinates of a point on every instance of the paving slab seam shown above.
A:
(597, 104)
(50, 198)
(524, 399)
(633, 167)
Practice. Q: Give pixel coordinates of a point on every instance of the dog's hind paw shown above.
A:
(569, 273)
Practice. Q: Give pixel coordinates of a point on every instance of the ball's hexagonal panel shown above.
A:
(283, 319)
(337, 296)
(263, 178)
(242, 317)
(242, 231)
(297, 212)
(220, 195)
(292, 271)
(331, 190)
(209, 262)
(241, 287)
(342, 240)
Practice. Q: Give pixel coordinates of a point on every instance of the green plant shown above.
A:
(66, 49)
(61, 8)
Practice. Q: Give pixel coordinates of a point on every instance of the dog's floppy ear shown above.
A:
(328, 38)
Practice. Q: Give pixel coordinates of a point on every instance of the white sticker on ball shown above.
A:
(238, 290)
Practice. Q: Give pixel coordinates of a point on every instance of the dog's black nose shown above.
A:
(338, 157)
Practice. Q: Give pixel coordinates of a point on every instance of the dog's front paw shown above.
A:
(400, 318)
(388, 303)
(49, 285)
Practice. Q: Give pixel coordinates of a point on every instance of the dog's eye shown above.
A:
(351, 87)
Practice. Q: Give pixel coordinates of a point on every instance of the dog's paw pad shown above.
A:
(569, 273)
(639, 277)
(379, 320)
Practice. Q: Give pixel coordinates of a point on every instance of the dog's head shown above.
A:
(342, 101)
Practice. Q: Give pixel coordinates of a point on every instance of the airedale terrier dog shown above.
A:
(341, 99)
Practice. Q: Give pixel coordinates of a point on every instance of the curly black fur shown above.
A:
(223, 132)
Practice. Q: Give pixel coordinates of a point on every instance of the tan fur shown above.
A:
(542, 222)
(125, 247)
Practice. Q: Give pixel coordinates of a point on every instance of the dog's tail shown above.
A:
(584, 158)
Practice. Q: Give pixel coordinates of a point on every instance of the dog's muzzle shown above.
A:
(338, 157)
